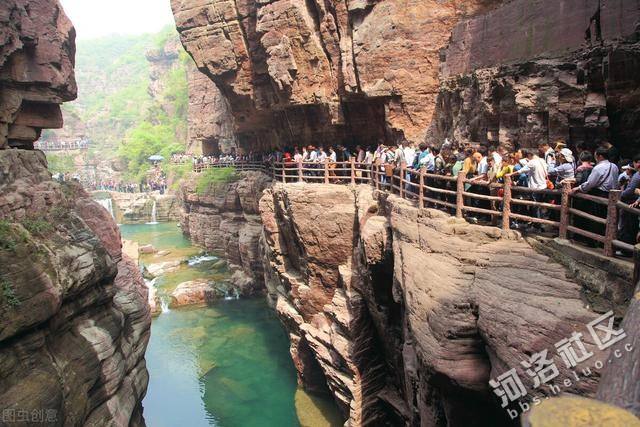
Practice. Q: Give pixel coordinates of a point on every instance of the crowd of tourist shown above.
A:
(230, 158)
(594, 172)
(113, 185)
(156, 180)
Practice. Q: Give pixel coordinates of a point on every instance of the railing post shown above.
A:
(612, 222)
(300, 175)
(565, 205)
(352, 162)
(284, 172)
(402, 175)
(421, 189)
(376, 172)
(326, 171)
(273, 171)
(459, 196)
(506, 203)
(636, 264)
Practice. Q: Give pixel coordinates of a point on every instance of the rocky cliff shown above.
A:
(73, 309)
(298, 71)
(404, 315)
(517, 76)
(325, 71)
(225, 219)
(74, 319)
(210, 120)
(37, 54)
(131, 208)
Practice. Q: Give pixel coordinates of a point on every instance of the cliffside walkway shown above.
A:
(503, 205)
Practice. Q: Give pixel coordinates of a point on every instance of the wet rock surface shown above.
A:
(74, 314)
(131, 208)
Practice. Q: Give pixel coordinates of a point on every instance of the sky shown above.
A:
(97, 18)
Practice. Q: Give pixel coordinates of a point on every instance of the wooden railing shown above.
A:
(61, 146)
(240, 165)
(502, 204)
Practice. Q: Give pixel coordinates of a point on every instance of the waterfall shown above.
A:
(154, 218)
(108, 205)
(164, 304)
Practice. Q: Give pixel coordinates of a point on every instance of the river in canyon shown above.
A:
(227, 364)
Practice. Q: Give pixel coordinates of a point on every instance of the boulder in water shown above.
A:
(220, 264)
(244, 284)
(147, 249)
(163, 253)
(163, 267)
(193, 292)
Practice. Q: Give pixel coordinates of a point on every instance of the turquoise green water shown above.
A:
(226, 365)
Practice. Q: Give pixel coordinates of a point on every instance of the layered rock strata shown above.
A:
(297, 71)
(225, 219)
(516, 72)
(568, 75)
(138, 207)
(210, 119)
(37, 54)
(73, 309)
(405, 314)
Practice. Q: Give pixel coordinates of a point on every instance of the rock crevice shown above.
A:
(409, 312)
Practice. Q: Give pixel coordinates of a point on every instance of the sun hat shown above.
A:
(567, 154)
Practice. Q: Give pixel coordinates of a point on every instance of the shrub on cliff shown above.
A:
(177, 173)
(209, 178)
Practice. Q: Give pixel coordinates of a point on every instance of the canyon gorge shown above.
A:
(401, 315)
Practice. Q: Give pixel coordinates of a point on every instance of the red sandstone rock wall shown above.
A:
(37, 54)
(406, 314)
(328, 71)
(210, 119)
(525, 29)
(297, 71)
(225, 220)
(74, 317)
(520, 77)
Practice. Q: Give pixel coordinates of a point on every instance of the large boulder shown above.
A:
(192, 293)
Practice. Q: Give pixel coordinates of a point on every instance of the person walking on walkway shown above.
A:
(603, 179)
(628, 221)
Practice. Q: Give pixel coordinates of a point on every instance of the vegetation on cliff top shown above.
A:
(60, 163)
(209, 178)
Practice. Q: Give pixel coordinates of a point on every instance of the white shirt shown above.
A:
(368, 158)
(550, 157)
(409, 155)
(483, 166)
(322, 157)
(313, 156)
(536, 170)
